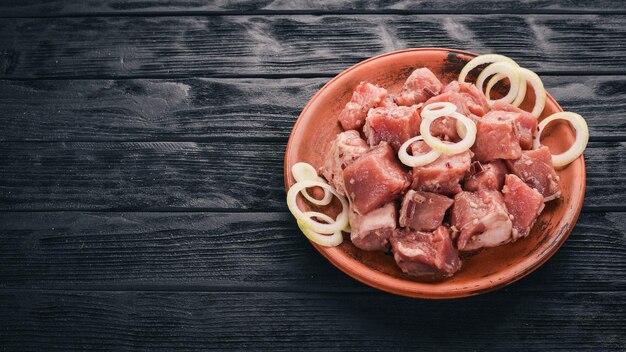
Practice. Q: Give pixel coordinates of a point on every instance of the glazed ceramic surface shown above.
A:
(484, 271)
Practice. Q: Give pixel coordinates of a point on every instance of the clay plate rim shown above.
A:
(415, 289)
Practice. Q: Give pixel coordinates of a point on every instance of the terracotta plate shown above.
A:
(485, 271)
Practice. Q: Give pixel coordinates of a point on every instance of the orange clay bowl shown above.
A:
(484, 271)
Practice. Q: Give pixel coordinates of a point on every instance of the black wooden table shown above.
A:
(141, 188)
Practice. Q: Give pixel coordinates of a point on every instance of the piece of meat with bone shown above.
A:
(423, 211)
(526, 123)
(374, 179)
(488, 176)
(365, 97)
(523, 203)
(419, 87)
(371, 232)
(429, 256)
(472, 100)
(344, 149)
(394, 125)
(535, 168)
(442, 175)
(482, 219)
(496, 137)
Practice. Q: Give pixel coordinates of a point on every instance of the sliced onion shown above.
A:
(481, 60)
(511, 71)
(438, 109)
(342, 219)
(540, 92)
(521, 93)
(582, 137)
(323, 240)
(303, 171)
(413, 161)
(450, 148)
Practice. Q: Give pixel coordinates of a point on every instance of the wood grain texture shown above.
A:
(104, 47)
(242, 251)
(173, 175)
(138, 321)
(197, 109)
(91, 7)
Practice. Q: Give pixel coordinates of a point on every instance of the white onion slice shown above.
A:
(323, 240)
(540, 92)
(437, 109)
(582, 137)
(342, 219)
(412, 160)
(483, 59)
(450, 148)
(521, 93)
(303, 171)
(511, 71)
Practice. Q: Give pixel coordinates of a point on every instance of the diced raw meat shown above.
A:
(394, 125)
(371, 232)
(496, 137)
(429, 256)
(445, 127)
(344, 149)
(485, 176)
(423, 211)
(473, 99)
(365, 97)
(526, 123)
(388, 101)
(482, 219)
(442, 175)
(535, 168)
(523, 203)
(374, 179)
(419, 87)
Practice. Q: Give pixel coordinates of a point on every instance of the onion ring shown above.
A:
(413, 161)
(323, 240)
(302, 171)
(450, 148)
(582, 137)
(342, 219)
(511, 71)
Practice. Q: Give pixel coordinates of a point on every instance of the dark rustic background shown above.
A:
(141, 190)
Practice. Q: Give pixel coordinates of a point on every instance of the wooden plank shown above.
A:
(242, 251)
(184, 109)
(77, 321)
(171, 175)
(92, 7)
(294, 45)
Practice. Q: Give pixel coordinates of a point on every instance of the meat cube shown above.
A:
(523, 203)
(371, 232)
(344, 149)
(473, 101)
(365, 97)
(419, 87)
(526, 123)
(535, 168)
(442, 175)
(482, 219)
(423, 211)
(388, 102)
(394, 125)
(445, 127)
(496, 137)
(485, 176)
(374, 179)
(428, 256)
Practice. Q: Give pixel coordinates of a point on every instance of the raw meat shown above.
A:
(523, 203)
(344, 149)
(394, 125)
(442, 175)
(496, 137)
(535, 168)
(526, 123)
(423, 211)
(485, 176)
(374, 179)
(429, 256)
(482, 219)
(419, 87)
(371, 232)
(365, 97)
